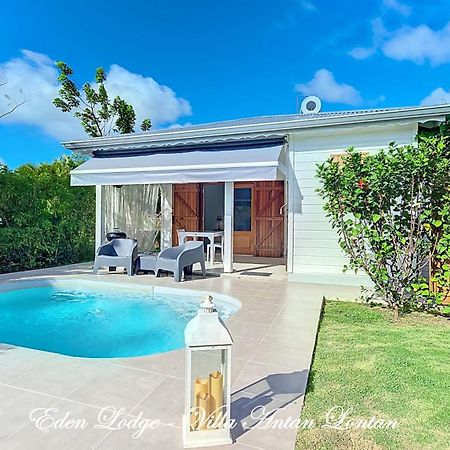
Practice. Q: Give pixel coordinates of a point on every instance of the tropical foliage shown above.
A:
(99, 115)
(43, 220)
(441, 262)
(391, 211)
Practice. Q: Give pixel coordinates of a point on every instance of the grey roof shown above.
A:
(258, 126)
(270, 119)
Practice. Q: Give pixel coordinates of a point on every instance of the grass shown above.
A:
(391, 370)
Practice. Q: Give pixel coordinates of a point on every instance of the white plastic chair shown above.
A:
(212, 247)
(179, 231)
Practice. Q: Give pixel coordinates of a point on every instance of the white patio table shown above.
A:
(211, 235)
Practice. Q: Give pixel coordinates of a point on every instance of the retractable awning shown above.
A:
(257, 163)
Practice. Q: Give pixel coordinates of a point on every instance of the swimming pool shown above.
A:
(99, 320)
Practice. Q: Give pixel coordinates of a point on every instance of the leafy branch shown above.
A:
(99, 115)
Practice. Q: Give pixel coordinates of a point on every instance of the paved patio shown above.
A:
(274, 334)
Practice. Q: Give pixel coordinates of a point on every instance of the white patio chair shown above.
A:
(179, 231)
(212, 247)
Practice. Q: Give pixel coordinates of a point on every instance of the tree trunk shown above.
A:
(396, 313)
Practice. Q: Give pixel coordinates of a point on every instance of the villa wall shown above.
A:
(313, 245)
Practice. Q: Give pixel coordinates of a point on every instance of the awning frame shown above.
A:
(256, 163)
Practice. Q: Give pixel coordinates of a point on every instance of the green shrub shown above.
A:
(390, 210)
(44, 221)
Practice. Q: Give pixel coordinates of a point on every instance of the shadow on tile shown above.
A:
(262, 399)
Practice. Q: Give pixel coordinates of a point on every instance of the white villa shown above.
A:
(254, 178)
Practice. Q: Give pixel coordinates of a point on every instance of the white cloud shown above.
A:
(36, 76)
(378, 34)
(397, 6)
(419, 44)
(33, 78)
(291, 17)
(328, 89)
(437, 97)
(147, 96)
(362, 52)
(179, 125)
(308, 5)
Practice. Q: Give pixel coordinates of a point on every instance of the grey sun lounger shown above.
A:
(117, 253)
(181, 258)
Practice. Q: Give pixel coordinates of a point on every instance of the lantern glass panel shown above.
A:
(209, 372)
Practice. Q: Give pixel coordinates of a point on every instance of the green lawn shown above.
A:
(398, 371)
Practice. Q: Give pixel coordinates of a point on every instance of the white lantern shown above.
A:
(206, 421)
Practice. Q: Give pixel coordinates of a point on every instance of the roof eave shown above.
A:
(411, 114)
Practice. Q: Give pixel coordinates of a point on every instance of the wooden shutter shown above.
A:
(269, 218)
(187, 213)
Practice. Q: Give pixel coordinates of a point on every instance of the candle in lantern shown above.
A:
(204, 401)
(201, 385)
(216, 391)
(208, 354)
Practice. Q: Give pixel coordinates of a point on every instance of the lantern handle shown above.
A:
(207, 304)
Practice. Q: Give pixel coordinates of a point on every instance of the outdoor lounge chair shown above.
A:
(117, 253)
(181, 258)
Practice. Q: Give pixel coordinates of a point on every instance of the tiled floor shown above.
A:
(274, 335)
(245, 266)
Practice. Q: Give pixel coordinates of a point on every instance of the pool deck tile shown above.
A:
(59, 376)
(80, 435)
(274, 335)
(16, 361)
(164, 363)
(120, 387)
(15, 408)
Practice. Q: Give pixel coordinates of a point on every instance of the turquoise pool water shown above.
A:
(97, 320)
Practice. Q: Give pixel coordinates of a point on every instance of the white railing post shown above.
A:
(228, 228)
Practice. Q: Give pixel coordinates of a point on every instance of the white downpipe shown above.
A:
(228, 227)
(292, 180)
(99, 215)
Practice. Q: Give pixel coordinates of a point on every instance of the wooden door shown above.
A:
(244, 229)
(186, 209)
(269, 218)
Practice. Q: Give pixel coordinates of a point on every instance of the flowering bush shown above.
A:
(390, 210)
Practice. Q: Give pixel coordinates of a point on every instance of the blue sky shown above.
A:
(191, 62)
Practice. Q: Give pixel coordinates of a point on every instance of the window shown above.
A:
(242, 209)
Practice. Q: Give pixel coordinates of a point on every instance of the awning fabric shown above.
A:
(194, 166)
